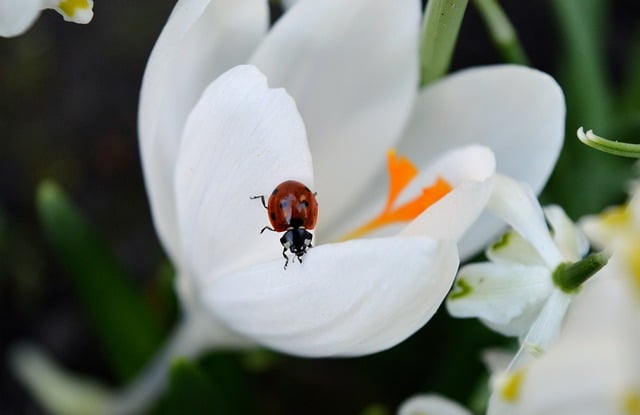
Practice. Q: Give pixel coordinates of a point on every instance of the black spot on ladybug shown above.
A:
(274, 191)
(273, 216)
(307, 189)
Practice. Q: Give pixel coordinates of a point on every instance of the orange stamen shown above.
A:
(401, 172)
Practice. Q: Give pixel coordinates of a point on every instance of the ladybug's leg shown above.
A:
(284, 254)
(261, 197)
(267, 227)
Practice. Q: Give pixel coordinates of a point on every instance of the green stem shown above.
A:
(618, 148)
(442, 22)
(502, 31)
(569, 277)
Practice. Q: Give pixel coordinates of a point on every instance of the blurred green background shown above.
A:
(68, 107)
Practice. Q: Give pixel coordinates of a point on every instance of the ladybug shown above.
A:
(292, 209)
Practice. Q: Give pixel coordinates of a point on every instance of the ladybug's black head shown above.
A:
(297, 240)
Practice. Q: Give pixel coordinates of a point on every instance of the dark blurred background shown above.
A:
(68, 107)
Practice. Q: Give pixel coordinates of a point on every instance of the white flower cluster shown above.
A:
(586, 362)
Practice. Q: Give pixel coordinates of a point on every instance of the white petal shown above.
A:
(519, 325)
(513, 248)
(349, 299)
(74, 11)
(57, 391)
(201, 40)
(352, 67)
(431, 405)
(241, 140)
(569, 239)
(17, 16)
(496, 360)
(590, 375)
(516, 111)
(516, 204)
(606, 305)
(546, 327)
(498, 292)
(470, 170)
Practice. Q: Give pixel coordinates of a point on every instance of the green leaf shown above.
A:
(216, 384)
(191, 390)
(585, 181)
(583, 28)
(502, 32)
(442, 20)
(127, 330)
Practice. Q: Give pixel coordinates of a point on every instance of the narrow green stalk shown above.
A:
(122, 321)
(618, 148)
(502, 31)
(440, 29)
(585, 78)
(569, 277)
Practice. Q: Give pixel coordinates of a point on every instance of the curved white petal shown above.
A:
(498, 292)
(586, 375)
(569, 239)
(431, 405)
(513, 249)
(546, 327)
(517, 326)
(515, 203)
(351, 298)
(201, 40)
(606, 305)
(471, 171)
(242, 139)
(516, 111)
(72, 11)
(59, 392)
(17, 16)
(352, 67)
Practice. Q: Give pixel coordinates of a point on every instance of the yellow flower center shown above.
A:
(401, 171)
(70, 7)
(631, 403)
(510, 390)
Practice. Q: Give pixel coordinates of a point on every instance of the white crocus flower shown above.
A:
(515, 292)
(16, 16)
(352, 69)
(348, 298)
(352, 115)
(618, 230)
(594, 368)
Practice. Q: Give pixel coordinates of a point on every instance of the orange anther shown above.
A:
(401, 172)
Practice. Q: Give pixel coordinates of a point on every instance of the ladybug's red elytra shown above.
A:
(292, 209)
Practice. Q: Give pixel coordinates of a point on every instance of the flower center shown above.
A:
(510, 390)
(401, 172)
(70, 7)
